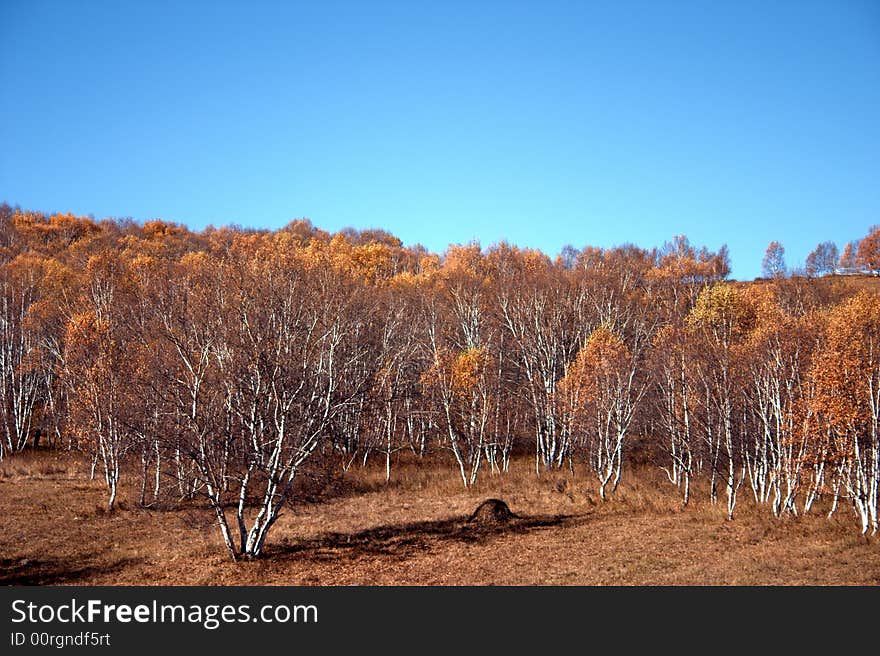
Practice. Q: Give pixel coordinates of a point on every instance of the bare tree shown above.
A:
(773, 264)
(823, 259)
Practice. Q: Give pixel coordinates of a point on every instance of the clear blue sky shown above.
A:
(543, 123)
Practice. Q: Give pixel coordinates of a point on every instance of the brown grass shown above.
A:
(415, 531)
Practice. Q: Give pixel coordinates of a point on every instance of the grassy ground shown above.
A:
(413, 531)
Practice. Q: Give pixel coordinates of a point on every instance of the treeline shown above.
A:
(862, 256)
(217, 363)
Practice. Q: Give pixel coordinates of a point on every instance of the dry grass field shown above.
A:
(359, 531)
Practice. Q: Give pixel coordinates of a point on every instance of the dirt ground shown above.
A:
(413, 531)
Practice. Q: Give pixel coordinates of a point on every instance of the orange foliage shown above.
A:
(848, 366)
(868, 253)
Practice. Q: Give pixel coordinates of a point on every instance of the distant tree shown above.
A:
(721, 262)
(8, 236)
(868, 252)
(773, 264)
(848, 257)
(567, 257)
(823, 259)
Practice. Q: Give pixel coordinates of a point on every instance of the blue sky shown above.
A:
(543, 123)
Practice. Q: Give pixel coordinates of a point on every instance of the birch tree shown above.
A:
(100, 363)
(21, 381)
(536, 309)
(675, 402)
(847, 375)
(606, 388)
(719, 320)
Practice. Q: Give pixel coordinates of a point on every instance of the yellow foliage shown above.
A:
(603, 356)
(429, 264)
(373, 261)
(461, 373)
(159, 229)
(468, 369)
(463, 258)
(724, 311)
(849, 364)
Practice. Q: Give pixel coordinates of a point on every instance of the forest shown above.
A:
(221, 365)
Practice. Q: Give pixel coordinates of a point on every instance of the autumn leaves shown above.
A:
(219, 364)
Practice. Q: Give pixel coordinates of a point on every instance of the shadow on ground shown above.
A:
(25, 571)
(402, 540)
